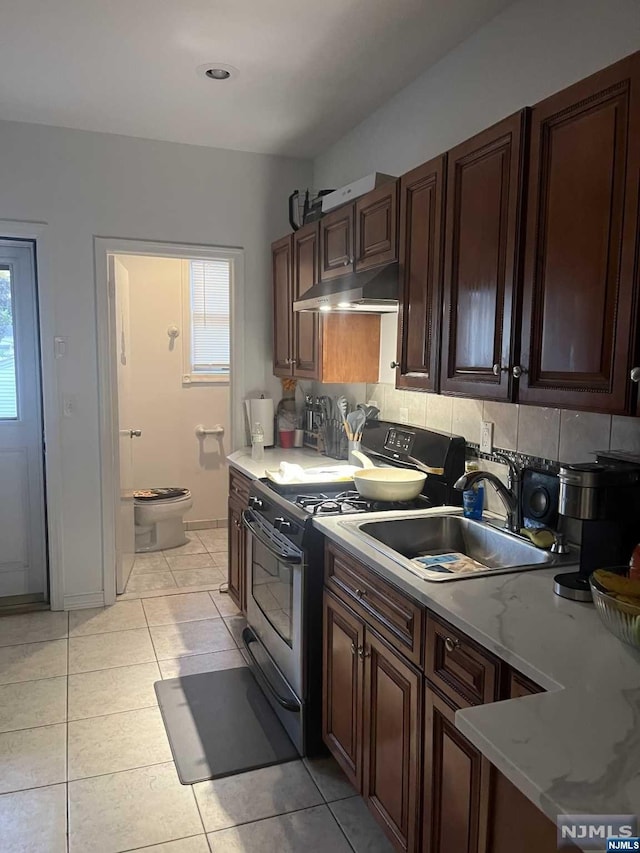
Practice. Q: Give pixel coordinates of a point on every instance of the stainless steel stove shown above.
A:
(285, 566)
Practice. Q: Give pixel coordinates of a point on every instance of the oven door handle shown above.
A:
(248, 637)
(254, 530)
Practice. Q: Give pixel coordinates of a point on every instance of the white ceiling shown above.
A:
(309, 71)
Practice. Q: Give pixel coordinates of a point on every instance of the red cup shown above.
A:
(286, 437)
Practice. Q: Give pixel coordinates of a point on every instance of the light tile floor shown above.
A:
(81, 735)
(200, 565)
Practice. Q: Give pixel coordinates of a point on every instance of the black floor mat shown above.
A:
(220, 723)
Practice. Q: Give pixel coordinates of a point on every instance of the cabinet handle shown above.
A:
(518, 371)
(497, 370)
(354, 651)
(292, 361)
(346, 262)
(635, 374)
(451, 644)
(362, 654)
(394, 364)
(361, 593)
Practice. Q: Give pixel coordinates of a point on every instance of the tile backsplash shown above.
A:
(565, 436)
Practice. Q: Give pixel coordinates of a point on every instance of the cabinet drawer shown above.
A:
(520, 685)
(397, 618)
(239, 486)
(462, 671)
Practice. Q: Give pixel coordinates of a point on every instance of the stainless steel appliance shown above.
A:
(605, 497)
(285, 564)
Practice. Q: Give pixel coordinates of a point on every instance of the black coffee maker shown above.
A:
(605, 496)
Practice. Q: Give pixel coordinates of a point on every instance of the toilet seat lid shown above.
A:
(161, 494)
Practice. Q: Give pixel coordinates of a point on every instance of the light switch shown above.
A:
(60, 347)
(68, 405)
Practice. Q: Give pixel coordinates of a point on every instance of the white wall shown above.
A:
(85, 184)
(168, 453)
(529, 51)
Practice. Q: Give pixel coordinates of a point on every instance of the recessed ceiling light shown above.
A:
(217, 71)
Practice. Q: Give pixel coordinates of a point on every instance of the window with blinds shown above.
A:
(209, 297)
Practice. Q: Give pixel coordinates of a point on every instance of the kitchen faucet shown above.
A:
(509, 495)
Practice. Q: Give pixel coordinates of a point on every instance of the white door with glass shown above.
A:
(23, 552)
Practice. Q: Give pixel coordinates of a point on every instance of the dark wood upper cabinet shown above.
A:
(579, 322)
(377, 227)
(343, 635)
(481, 266)
(392, 738)
(305, 325)
(420, 273)
(337, 255)
(281, 256)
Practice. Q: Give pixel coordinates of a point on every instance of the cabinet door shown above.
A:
(377, 227)
(392, 741)
(236, 546)
(336, 243)
(281, 255)
(342, 690)
(457, 784)
(421, 200)
(579, 315)
(483, 223)
(305, 324)
(514, 820)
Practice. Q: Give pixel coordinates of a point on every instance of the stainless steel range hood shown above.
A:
(373, 291)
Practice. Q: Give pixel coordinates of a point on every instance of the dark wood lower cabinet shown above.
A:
(392, 738)
(456, 784)
(371, 720)
(515, 823)
(391, 726)
(343, 635)
(236, 573)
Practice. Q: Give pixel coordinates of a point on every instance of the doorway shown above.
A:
(168, 377)
(23, 543)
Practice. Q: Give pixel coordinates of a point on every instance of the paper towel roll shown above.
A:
(261, 410)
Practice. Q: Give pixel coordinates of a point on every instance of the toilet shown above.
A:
(159, 518)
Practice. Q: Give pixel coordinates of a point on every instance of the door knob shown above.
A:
(135, 433)
(497, 370)
(635, 374)
(363, 653)
(518, 371)
(394, 364)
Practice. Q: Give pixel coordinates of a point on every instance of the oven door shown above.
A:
(275, 581)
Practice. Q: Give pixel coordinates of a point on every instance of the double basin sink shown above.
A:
(404, 538)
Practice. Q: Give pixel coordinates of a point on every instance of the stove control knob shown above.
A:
(281, 524)
(255, 503)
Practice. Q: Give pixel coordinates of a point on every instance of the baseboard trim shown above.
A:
(206, 524)
(84, 600)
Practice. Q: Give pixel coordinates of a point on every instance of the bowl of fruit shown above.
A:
(617, 600)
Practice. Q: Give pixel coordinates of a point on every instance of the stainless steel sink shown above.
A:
(406, 537)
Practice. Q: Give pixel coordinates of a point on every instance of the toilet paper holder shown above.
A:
(202, 431)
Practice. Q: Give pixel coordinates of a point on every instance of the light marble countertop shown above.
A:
(273, 456)
(572, 750)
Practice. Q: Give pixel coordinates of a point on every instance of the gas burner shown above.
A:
(322, 504)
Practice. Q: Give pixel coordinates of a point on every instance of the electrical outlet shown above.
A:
(404, 415)
(486, 437)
